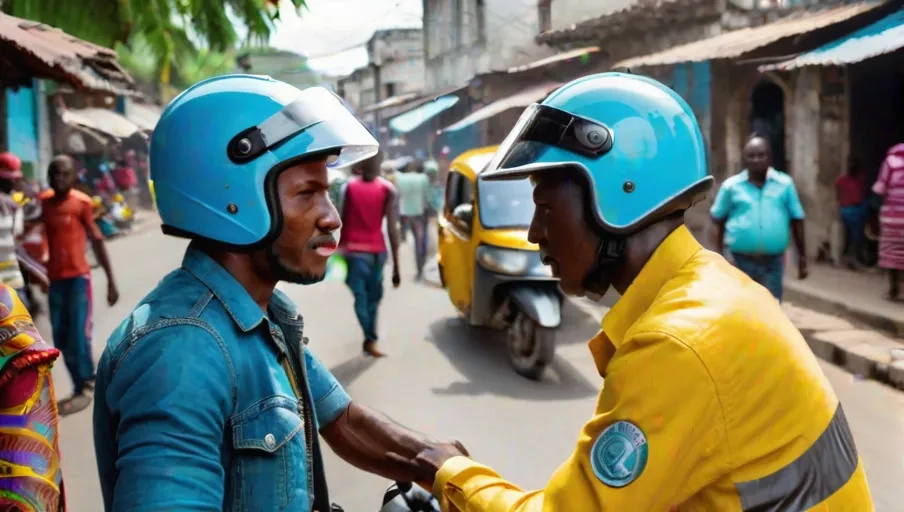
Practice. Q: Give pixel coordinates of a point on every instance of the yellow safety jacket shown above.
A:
(712, 402)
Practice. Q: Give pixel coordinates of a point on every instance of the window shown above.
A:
(459, 190)
(544, 13)
(390, 90)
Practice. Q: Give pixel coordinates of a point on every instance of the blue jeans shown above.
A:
(365, 279)
(766, 269)
(70, 319)
(854, 219)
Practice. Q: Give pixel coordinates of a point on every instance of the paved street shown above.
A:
(449, 380)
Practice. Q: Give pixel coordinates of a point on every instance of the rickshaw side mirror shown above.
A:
(464, 214)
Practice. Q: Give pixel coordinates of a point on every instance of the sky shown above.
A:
(332, 32)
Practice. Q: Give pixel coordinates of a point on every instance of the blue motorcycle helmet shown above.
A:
(636, 142)
(219, 147)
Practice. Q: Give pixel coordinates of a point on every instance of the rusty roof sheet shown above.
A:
(33, 50)
(882, 37)
(642, 16)
(738, 42)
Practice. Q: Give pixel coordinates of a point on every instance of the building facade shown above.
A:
(466, 38)
(395, 67)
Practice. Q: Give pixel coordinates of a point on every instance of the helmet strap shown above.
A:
(609, 253)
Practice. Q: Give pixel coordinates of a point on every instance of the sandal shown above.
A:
(77, 403)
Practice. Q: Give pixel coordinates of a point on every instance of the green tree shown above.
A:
(155, 30)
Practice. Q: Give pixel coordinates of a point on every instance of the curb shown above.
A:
(849, 350)
(831, 307)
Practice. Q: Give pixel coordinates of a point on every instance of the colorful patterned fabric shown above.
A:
(30, 474)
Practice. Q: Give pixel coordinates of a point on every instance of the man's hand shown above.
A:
(396, 278)
(802, 271)
(112, 293)
(430, 460)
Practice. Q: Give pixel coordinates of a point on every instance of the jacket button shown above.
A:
(270, 441)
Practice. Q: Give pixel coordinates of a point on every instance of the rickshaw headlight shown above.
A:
(503, 261)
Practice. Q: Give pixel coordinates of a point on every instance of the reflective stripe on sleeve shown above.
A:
(813, 477)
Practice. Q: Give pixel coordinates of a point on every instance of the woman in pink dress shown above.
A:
(890, 185)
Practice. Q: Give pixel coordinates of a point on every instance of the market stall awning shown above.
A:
(519, 100)
(33, 50)
(884, 36)
(101, 120)
(410, 120)
(143, 115)
(739, 42)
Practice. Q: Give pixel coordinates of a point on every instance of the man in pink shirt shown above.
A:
(367, 200)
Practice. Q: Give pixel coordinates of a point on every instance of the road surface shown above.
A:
(448, 380)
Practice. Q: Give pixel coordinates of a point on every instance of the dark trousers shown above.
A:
(766, 269)
(418, 226)
(365, 279)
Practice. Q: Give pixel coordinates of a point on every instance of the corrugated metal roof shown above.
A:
(47, 52)
(555, 58)
(641, 16)
(145, 116)
(738, 42)
(101, 120)
(522, 99)
(884, 36)
(410, 120)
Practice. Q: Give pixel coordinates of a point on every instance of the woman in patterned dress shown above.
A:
(30, 475)
(890, 186)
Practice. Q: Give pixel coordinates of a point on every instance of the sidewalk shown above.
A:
(846, 320)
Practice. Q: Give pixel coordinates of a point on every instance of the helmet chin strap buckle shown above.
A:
(608, 253)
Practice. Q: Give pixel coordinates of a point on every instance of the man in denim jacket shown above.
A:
(207, 396)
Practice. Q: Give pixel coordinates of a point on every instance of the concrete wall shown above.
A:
(463, 40)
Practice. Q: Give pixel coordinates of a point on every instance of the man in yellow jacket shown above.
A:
(712, 399)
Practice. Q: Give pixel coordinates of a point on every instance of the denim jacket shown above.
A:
(193, 409)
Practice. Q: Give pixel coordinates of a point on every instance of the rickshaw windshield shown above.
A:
(505, 204)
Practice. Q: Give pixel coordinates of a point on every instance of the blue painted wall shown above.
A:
(22, 127)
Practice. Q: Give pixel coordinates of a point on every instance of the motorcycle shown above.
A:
(407, 497)
(493, 274)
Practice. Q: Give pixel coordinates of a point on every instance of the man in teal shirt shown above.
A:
(756, 213)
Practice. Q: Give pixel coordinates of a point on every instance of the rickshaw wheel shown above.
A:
(531, 348)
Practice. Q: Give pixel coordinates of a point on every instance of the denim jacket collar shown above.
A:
(234, 297)
(246, 314)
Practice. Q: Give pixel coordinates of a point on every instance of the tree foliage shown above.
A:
(158, 35)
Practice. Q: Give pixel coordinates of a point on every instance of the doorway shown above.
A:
(767, 118)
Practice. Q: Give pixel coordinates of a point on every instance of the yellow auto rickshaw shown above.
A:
(493, 274)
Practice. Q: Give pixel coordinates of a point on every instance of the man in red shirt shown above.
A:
(69, 223)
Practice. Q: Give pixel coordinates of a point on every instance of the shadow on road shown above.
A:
(480, 356)
(348, 371)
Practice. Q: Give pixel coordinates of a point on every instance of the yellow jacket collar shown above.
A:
(665, 262)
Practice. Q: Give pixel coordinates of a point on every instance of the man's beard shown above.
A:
(283, 273)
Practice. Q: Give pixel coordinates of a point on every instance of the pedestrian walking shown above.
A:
(414, 191)
(756, 213)
(890, 186)
(368, 200)
(68, 217)
(851, 191)
(208, 394)
(12, 225)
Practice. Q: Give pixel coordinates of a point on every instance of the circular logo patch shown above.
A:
(619, 454)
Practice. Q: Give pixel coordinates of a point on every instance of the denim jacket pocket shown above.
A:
(269, 466)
